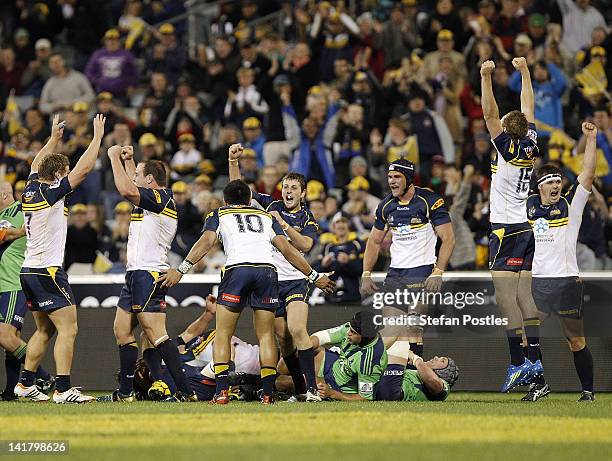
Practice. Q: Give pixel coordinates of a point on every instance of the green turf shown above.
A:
(469, 426)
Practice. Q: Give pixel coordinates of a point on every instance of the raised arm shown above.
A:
(57, 131)
(489, 106)
(234, 154)
(527, 98)
(589, 162)
(432, 381)
(124, 183)
(200, 325)
(88, 160)
(127, 155)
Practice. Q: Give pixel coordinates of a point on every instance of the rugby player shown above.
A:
(556, 284)
(414, 216)
(12, 300)
(44, 282)
(351, 359)
(143, 297)
(249, 276)
(511, 242)
(301, 230)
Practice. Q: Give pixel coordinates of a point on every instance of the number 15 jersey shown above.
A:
(511, 175)
(245, 232)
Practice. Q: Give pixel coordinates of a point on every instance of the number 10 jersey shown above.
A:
(245, 232)
(511, 175)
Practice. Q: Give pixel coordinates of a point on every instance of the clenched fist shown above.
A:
(487, 68)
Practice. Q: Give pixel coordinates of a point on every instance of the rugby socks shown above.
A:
(417, 348)
(532, 332)
(19, 354)
(62, 383)
(170, 355)
(12, 367)
(221, 374)
(515, 344)
(268, 377)
(307, 365)
(293, 365)
(153, 361)
(128, 355)
(583, 361)
(28, 377)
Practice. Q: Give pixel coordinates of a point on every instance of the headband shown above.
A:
(549, 178)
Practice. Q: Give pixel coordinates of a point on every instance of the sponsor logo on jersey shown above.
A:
(230, 298)
(403, 208)
(438, 204)
(416, 221)
(531, 211)
(365, 387)
(541, 226)
(28, 196)
(514, 262)
(403, 229)
(393, 372)
(555, 212)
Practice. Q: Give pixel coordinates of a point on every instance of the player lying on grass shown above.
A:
(556, 285)
(430, 380)
(249, 277)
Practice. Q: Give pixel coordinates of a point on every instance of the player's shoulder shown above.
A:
(533, 199)
(276, 205)
(241, 209)
(433, 199)
(387, 203)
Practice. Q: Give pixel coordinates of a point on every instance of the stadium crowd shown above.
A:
(336, 92)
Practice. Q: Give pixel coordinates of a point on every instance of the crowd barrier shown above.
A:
(481, 353)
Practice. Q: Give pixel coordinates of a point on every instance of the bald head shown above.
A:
(6, 194)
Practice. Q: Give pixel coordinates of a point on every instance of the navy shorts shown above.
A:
(511, 247)
(46, 290)
(328, 363)
(558, 295)
(13, 308)
(142, 293)
(289, 291)
(201, 385)
(411, 278)
(389, 387)
(253, 284)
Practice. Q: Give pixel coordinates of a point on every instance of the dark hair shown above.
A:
(157, 169)
(516, 125)
(548, 169)
(237, 192)
(296, 177)
(51, 165)
(56, 53)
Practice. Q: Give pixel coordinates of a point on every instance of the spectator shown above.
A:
(358, 166)
(10, 70)
(508, 23)
(167, 56)
(269, 182)
(254, 138)
(160, 95)
(345, 258)
(312, 155)
(24, 51)
(579, 20)
(253, 59)
(446, 17)
(248, 165)
(225, 53)
(351, 139)
(445, 44)
(189, 221)
(35, 123)
(247, 101)
(120, 228)
(398, 37)
(202, 182)
(317, 208)
(105, 105)
(548, 86)
(64, 88)
(449, 85)
(81, 238)
(112, 69)
(361, 205)
(187, 158)
(458, 190)
(37, 71)
(433, 136)
(398, 144)
(481, 155)
(303, 74)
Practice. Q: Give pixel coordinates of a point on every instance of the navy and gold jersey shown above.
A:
(152, 229)
(46, 221)
(555, 228)
(301, 220)
(246, 233)
(412, 227)
(511, 175)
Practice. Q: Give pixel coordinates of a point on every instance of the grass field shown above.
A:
(469, 426)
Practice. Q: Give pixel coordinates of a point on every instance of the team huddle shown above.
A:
(264, 241)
